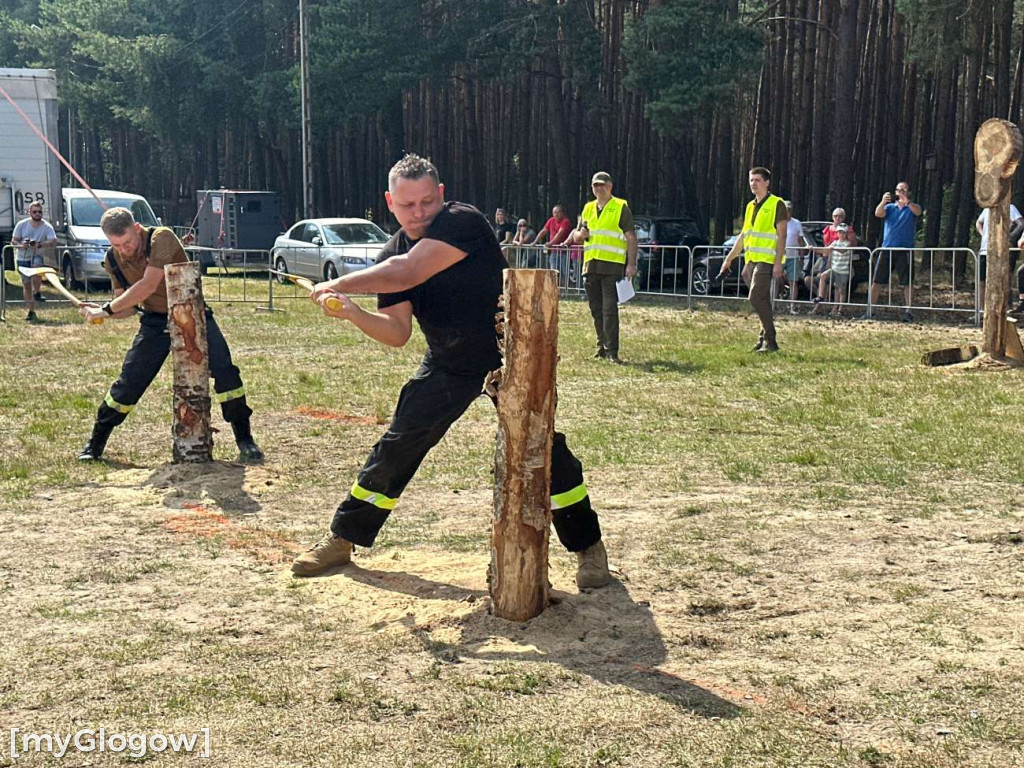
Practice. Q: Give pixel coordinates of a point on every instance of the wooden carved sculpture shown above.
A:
(997, 152)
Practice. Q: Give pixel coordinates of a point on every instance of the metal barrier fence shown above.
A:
(941, 275)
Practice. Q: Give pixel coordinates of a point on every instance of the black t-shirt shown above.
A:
(502, 230)
(455, 308)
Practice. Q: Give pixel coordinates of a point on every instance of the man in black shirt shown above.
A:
(442, 267)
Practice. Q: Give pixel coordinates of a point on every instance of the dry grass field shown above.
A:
(818, 556)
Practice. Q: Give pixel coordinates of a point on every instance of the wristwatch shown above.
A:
(107, 308)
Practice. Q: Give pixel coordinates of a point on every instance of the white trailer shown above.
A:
(29, 172)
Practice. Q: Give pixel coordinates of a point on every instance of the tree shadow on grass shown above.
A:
(603, 634)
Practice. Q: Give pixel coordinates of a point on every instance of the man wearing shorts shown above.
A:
(29, 237)
(901, 219)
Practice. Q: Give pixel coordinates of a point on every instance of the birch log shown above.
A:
(997, 152)
(526, 416)
(192, 436)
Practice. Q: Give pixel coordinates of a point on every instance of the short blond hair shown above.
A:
(117, 221)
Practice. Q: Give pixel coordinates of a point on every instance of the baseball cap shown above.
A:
(601, 178)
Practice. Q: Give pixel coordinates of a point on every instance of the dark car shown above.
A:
(659, 269)
(707, 263)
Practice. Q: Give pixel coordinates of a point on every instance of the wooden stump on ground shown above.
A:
(192, 437)
(997, 152)
(522, 464)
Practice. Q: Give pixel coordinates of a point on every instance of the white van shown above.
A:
(81, 243)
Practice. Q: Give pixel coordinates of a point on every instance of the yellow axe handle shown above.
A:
(53, 280)
(334, 304)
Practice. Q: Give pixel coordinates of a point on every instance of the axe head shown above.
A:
(33, 271)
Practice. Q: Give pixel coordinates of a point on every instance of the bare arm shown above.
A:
(562, 236)
(398, 273)
(880, 208)
(124, 301)
(121, 313)
(915, 208)
(733, 253)
(391, 325)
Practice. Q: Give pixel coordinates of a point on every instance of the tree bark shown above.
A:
(192, 437)
(522, 463)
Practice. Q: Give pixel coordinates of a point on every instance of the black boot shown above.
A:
(93, 450)
(248, 451)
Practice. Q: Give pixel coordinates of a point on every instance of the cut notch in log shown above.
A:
(522, 462)
(192, 437)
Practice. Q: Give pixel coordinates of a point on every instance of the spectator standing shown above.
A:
(796, 246)
(982, 225)
(838, 234)
(763, 241)
(900, 231)
(556, 231)
(839, 237)
(523, 237)
(503, 228)
(609, 254)
(29, 237)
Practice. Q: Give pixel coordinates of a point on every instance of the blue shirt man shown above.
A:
(900, 226)
(900, 231)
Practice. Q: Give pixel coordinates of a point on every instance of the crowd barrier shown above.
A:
(944, 280)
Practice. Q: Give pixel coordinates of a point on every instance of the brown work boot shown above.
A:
(327, 553)
(593, 567)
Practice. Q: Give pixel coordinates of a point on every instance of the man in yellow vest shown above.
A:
(609, 254)
(763, 241)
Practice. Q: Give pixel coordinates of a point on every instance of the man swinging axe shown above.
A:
(135, 262)
(442, 267)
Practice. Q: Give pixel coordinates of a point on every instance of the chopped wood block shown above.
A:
(950, 355)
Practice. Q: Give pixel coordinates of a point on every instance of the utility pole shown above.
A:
(307, 157)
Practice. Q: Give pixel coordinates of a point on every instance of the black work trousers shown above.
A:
(603, 298)
(146, 356)
(430, 402)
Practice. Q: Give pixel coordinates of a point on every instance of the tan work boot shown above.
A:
(593, 567)
(327, 553)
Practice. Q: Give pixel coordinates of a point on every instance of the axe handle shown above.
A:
(53, 280)
(333, 304)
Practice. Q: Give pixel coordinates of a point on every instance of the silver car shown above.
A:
(323, 249)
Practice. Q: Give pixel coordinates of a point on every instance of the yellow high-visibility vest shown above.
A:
(759, 234)
(607, 242)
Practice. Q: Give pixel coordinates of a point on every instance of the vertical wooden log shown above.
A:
(193, 439)
(522, 462)
(997, 151)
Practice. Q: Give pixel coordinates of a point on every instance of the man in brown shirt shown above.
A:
(135, 263)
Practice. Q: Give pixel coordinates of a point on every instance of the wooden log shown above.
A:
(522, 463)
(192, 436)
(997, 152)
(950, 355)
(1014, 349)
